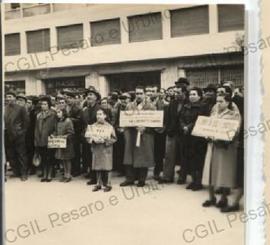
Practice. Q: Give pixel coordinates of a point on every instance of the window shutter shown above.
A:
(38, 41)
(105, 32)
(189, 21)
(12, 44)
(231, 17)
(70, 36)
(145, 27)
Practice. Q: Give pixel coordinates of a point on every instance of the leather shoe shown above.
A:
(141, 184)
(91, 182)
(209, 203)
(127, 183)
(96, 188)
(228, 209)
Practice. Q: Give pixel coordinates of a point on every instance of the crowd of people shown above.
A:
(30, 121)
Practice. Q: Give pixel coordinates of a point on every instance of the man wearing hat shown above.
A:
(88, 117)
(119, 145)
(21, 100)
(16, 124)
(209, 98)
(182, 82)
(74, 112)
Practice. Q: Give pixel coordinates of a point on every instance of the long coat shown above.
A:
(44, 127)
(220, 168)
(65, 128)
(16, 122)
(194, 147)
(142, 156)
(103, 152)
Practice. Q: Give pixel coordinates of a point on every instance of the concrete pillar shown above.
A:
(124, 30)
(213, 18)
(92, 80)
(168, 76)
(99, 82)
(166, 24)
(103, 86)
(23, 42)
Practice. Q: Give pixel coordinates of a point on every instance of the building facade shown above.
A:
(49, 47)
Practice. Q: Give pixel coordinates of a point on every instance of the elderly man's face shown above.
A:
(91, 97)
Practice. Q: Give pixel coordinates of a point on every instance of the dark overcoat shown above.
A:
(44, 127)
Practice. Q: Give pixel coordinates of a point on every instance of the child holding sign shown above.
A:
(64, 129)
(101, 135)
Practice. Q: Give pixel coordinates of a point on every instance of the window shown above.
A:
(38, 41)
(231, 17)
(16, 86)
(12, 44)
(189, 21)
(15, 5)
(70, 36)
(105, 32)
(145, 27)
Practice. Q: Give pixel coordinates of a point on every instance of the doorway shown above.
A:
(128, 81)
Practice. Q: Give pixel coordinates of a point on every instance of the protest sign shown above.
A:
(215, 128)
(138, 118)
(98, 131)
(57, 142)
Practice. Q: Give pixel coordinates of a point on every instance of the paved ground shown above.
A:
(70, 213)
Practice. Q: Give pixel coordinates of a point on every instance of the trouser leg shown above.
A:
(21, 155)
(142, 174)
(130, 173)
(170, 158)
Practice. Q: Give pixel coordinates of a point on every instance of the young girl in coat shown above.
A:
(64, 128)
(101, 135)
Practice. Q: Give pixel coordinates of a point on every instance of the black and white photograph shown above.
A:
(124, 123)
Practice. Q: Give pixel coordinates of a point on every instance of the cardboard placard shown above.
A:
(215, 128)
(96, 131)
(57, 142)
(138, 118)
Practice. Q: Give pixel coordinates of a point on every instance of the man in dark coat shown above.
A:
(74, 113)
(88, 117)
(16, 124)
(119, 145)
(173, 147)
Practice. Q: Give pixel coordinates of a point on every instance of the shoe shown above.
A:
(67, 180)
(63, 179)
(197, 187)
(76, 174)
(209, 203)
(91, 182)
(23, 178)
(165, 181)
(141, 184)
(222, 203)
(127, 183)
(96, 188)
(228, 208)
(107, 188)
(43, 180)
(181, 182)
(190, 186)
(48, 180)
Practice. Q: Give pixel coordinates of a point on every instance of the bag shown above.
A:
(36, 159)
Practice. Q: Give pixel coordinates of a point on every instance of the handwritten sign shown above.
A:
(218, 129)
(138, 118)
(96, 131)
(57, 142)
